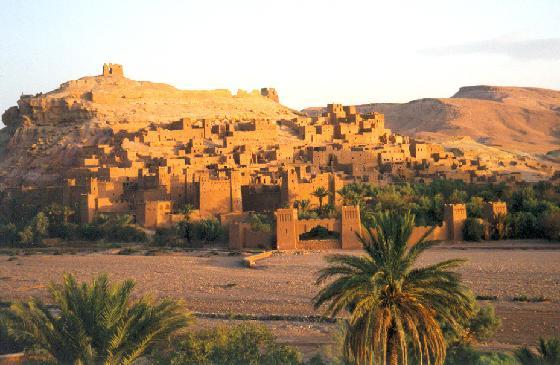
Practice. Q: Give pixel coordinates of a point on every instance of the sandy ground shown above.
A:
(283, 284)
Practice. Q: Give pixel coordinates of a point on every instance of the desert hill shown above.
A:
(516, 119)
(45, 131)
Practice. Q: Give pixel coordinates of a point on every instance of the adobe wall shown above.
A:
(440, 233)
(260, 198)
(331, 244)
(242, 236)
(214, 196)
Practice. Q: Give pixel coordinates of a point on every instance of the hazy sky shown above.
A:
(313, 52)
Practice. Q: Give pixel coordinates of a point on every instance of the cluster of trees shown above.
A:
(262, 222)
(189, 233)
(396, 311)
(54, 222)
(533, 209)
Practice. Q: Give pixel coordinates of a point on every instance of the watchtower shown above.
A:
(290, 183)
(493, 209)
(286, 233)
(112, 69)
(235, 191)
(455, 216)
(351, 228)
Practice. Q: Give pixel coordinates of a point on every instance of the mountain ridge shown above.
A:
(517, 119)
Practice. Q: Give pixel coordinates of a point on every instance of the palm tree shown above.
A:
(186, 226)
(548, 353)
(187, 211)
(97, 323)
(302, 205)
(392, 303)
(320, 193)
(353, 194)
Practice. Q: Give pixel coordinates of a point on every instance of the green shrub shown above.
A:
(260, 222)
(65, 231)
(547, 353)
(209, 230)
(241, 344)
(473, 230)
(463, 355)
(523, 225)
(8, 234)
(524, 298)
(90, 232)
(319, 233)
(165, 237)
(125, 234)
(40, 226)
(551, 225)
(484, 324)
(26, 236)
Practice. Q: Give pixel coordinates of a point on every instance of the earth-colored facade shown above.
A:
(107, 144)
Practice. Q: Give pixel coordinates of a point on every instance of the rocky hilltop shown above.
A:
(44, 131)
(515, 119)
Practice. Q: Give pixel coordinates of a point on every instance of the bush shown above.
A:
(484, 324)
(26, 236)
(473, 230)
(551, 225)
(125, 234)
(90, 232)
(319, 233)
(165, 237)
(462, 355)
(209, 230)
(8, 234)
(547, 353)
(65, 231)
(260, 222)
(523, 225)
(241, 344)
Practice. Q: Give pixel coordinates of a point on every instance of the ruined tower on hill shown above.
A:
(112, 69)
(269, 92)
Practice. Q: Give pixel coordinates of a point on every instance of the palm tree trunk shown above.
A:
(394, 355)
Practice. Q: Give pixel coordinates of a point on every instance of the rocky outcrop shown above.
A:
(44, 131)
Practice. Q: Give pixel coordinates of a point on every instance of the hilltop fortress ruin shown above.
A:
(107, 144)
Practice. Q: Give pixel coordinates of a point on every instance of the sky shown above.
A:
(312, 52)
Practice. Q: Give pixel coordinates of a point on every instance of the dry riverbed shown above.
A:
(283, 284)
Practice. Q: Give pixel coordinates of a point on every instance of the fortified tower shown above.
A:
(235, 191)
(112, 69)
(493, 209)
(289, 188)
(286, 233)
(351, 228)
(455, 216)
